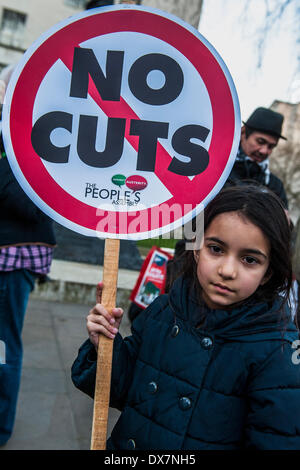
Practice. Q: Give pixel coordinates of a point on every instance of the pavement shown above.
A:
(51, 413)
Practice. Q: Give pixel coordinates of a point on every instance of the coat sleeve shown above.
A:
(83, 371)
(273, 420)
(125, 352)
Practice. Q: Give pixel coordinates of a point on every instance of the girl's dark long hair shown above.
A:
(264, 209)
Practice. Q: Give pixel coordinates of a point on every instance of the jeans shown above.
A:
(15, 287)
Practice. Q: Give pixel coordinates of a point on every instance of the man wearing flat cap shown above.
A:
(259, 136)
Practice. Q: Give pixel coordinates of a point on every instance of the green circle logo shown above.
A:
(119, 180)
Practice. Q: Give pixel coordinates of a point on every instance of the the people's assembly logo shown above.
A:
(121, 196)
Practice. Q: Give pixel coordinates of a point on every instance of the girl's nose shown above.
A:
(228, 268)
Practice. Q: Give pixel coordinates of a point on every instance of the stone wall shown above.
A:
(74, 247)
(285, 163)
(285, 159)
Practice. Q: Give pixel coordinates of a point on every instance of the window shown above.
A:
(12, 28)
(76, 3)
(2, 67)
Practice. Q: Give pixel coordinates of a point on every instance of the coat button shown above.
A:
(185, 403)
(206, 343)
(131, 444)
(152, 387)
(175, 331)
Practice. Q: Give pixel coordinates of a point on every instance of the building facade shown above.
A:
(23, 21)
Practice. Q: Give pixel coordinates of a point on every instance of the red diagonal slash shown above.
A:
(121, 109)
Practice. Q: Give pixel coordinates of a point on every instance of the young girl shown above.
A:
(209, 366)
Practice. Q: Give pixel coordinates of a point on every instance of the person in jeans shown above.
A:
(27, 241)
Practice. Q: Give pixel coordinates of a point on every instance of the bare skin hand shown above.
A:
(100, 321)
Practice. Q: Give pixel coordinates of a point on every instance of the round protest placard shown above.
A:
(122, 122)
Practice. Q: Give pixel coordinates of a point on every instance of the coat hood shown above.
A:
(250, 321)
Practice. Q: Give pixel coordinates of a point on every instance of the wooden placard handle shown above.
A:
(105, 348)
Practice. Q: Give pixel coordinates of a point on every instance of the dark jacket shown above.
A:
(230, 384)
(245, 170)
(21, 221)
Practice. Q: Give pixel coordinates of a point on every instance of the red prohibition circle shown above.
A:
(61, 45)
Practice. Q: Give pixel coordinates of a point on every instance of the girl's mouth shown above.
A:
(222, 288)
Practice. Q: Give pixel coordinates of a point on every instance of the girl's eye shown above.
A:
(215, 249)
(250, 260)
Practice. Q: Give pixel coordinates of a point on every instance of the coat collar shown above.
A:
(244, 322)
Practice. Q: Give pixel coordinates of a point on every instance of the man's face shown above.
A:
(258, 146)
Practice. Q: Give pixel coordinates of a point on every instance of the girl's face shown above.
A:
(233, 260)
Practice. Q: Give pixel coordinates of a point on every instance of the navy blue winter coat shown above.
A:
(232, 383)
(21, 221)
